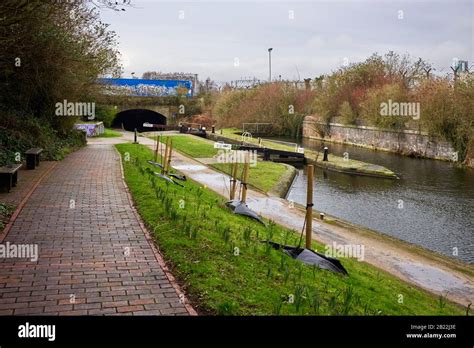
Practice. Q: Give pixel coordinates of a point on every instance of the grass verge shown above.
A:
(349, 166)
(192, 146)
(264, 176)
(110, 133)
(225, 268)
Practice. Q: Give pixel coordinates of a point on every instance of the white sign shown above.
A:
(149, 125)
(221, 145)
(300, 149)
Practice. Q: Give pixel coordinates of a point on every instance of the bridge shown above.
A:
(137, 101)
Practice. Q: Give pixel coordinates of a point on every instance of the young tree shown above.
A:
(346, 113)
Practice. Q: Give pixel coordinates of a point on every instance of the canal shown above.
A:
(431, 205)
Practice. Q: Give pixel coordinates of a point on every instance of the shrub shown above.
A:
(371, 106)
(105, 114)
(348, 116)
(280, 104)
(447, 111)
(19, 133)
(325, 105)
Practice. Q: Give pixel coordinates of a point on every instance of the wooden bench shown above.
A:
(9, 175)
(33, 157)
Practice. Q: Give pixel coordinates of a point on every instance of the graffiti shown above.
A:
(91, 129)
(145, 88)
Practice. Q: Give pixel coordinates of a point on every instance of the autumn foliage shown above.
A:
(354, 94)
(278, 103)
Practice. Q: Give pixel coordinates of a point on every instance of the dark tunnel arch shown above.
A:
(135, 118)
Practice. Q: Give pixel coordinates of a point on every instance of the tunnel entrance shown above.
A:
(135, 118)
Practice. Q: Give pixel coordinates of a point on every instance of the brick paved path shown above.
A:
(94, 258)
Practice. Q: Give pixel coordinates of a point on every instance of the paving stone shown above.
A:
(81, 219)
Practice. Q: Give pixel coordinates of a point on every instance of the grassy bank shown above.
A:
(217, 256)
(235, 134)
(110, 133)
(349, 166)
(192, 146)
(264, 176)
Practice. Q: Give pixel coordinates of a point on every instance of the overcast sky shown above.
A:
(227, 40)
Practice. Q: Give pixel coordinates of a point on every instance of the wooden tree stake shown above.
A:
(233, 185)
(309, 206)
(245, 177)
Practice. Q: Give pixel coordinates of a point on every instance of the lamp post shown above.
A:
(270, 64)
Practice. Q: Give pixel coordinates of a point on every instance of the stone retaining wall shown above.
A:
(406, 142)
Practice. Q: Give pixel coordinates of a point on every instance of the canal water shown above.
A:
(432, 204)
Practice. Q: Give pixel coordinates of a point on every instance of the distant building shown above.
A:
(462, 66)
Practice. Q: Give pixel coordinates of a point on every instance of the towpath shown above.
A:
(93, 256)
(422, 269)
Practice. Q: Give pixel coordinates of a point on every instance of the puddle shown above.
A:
(277, 210)
(217, 182)
(190, 167)
(436, 279)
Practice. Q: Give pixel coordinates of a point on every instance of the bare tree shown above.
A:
(402, 67)
(112, 5)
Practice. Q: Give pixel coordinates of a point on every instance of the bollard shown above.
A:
(326, 151)
(321, 216)
(213, 129)
(135, 137)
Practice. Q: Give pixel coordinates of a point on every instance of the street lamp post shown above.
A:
(270, 64)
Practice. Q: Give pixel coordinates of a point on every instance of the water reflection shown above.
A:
(431, 204)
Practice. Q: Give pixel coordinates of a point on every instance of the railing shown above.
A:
(264, 127)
